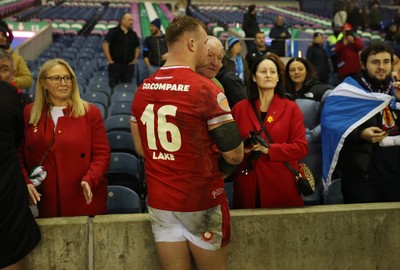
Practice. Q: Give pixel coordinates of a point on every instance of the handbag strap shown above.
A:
(287, 164)
(48, 148)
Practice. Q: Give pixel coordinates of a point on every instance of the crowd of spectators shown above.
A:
(290, 106)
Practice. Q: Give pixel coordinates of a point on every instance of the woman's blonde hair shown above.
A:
(78, 106)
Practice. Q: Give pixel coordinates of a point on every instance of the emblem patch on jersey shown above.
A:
(207, 236)
(223, 102)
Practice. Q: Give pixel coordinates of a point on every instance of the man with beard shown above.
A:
(121, 48)
(358, 120)
(155, 47)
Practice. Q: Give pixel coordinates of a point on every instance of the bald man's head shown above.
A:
(215, 55)
(127, 21)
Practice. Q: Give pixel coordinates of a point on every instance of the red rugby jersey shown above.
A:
(173, 109)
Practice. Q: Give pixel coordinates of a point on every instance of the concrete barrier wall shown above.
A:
(123, 242)
(32, 48)
(363, 236)
(64, 244)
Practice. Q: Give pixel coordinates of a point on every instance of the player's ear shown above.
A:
(191, 44)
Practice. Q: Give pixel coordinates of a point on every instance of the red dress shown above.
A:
(284, 122)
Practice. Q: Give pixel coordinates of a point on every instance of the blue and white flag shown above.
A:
(347, 107)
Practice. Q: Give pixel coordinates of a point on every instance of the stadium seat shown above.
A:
(99, 77)
(125, 87)
(83, 73)
(123, 171)
(122, 200)
(119, 108)
(334, 194)
(82, 88)
(122, 97)
(101, 108)
(118, 122)
(96, 97)
(99, 88)
(81, 80)
(121, 141)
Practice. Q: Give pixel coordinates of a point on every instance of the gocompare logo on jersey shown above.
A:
(166, 86)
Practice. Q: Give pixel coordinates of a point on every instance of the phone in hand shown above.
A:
(391, 130)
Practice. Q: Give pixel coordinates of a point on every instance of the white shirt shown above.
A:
(56, 112)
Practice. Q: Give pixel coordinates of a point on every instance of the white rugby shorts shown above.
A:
(208, 229)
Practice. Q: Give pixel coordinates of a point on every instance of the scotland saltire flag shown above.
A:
(347, 107)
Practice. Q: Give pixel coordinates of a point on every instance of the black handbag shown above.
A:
(303, 178)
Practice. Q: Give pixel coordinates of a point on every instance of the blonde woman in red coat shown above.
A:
(262, 180)
(66, 136)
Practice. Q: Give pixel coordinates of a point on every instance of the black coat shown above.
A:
(317, 55)
(369, 172)
(250, 25)
(234, 89)
(253, 54)
(278, 45)
(19, 232)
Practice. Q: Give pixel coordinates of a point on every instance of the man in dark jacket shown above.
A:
(155, 47)
(258, 50)
(317, 55)
(250, 26)
(233, 86)
(279, 33)
(368, 161)
(121, 48)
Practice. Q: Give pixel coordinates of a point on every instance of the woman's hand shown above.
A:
(87, 192)
(34, 195)
(259, 147)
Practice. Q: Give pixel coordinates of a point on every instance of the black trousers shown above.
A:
(120, 73)
(357, 188)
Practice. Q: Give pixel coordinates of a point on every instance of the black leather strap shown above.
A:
(287, 164)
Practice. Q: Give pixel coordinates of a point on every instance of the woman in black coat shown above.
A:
(303, 86)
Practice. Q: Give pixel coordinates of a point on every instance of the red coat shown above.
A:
(284, 122)
(80, 152)
(348, 60)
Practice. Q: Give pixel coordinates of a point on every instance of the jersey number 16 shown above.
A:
(149, 118)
